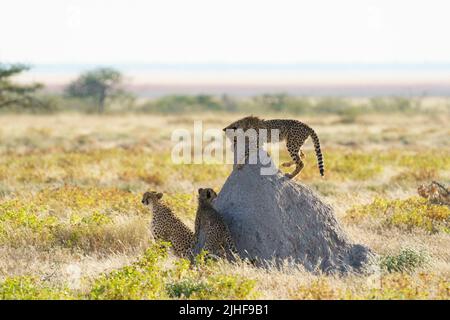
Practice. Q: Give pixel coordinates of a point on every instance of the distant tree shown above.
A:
(13, 94)
(229, 103)
(98, 85)
(273, 102)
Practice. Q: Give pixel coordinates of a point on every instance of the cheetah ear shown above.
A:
(200, 190)
(208, 194)
(159, 195)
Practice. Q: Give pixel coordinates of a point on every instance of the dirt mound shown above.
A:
(272, 218)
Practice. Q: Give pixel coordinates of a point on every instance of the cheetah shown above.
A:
(435, 192)
(294, 132)
(167, 227)
(211, 229)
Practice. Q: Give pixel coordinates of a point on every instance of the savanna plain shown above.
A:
(72, 225)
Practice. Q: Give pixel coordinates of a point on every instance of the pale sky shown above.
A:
(227, 31)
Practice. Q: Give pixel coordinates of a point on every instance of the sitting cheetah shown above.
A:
(210, 228)
(294, 132)
(167, 227)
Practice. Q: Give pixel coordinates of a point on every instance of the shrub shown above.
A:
(393, 104)
(204, 281)
(214, 287)
(410, 213)
(183, 104)
(186, 288)
(142, 280)
(18, 218)
(29, 288)
(406, 261)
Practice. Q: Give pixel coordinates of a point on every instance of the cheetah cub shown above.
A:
(294, 132)
(167, 227)
(435, 192)
(210, 228)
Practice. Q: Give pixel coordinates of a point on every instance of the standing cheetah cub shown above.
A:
(294, 132)
(210, 228)
(167, 227)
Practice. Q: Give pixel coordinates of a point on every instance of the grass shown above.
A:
(147, 278)
(72, 225)
(396, 286)
(145, 168)
(410, 213)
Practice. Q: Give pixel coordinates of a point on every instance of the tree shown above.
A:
(12, 94)
(98, 85)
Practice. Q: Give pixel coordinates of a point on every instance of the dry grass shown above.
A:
(70, 188)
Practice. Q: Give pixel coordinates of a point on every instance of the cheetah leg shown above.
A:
(291, 163)
(302, 155)
(298, 167)
(246, 158)
(293, 151)
(288, 164)
(211, 251)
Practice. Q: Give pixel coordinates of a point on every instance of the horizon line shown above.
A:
(244, 66)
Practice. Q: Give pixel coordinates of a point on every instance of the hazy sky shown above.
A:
(227, 31)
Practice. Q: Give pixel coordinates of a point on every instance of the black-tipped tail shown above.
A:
(319, 155)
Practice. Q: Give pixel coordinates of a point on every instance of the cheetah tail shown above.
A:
(316, 142)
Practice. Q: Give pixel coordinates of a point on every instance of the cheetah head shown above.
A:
(207, 194)
(246, 123)
(150, 198)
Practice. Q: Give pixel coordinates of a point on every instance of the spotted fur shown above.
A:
(167, 227)
(218, 240)
(294, 132)
(435, 193)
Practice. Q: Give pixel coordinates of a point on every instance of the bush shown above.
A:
(204, 281)
(346, 108)
(142, 280)
(186, 288)
(213, 287)
(333, 106)
(393, 104)
(183, 104)
(410, 213)
(29, 288)
(147, 279)
(406, 261)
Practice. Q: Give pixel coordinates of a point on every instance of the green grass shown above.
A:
(148, 278)
(142, 168)
(70, 193)
(407, 214)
